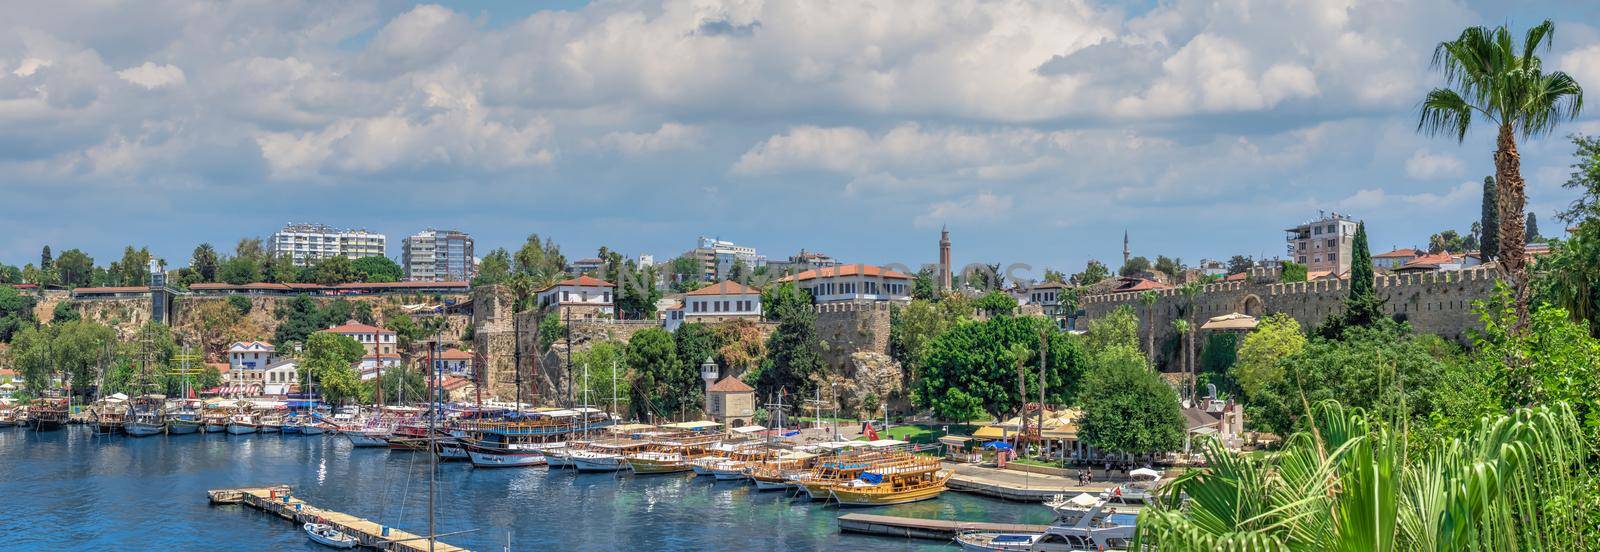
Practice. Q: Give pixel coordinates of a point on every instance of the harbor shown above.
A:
(74, 475)
(280, 500)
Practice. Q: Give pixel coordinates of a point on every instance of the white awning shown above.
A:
(884, 443)
(748, 429)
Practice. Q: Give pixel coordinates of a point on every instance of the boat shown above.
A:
(183, 419)
(778, 473)
(1082, 523)
(452, 450)
(47, 414)
(327, 535)
(920, 479)
(1141, 489)
(107, 416)
(605, 456)
(509, 456)
(310, 426)
(146, 416)
(368, 437)
(242, 423)
(842, 468)
(270, 422)
(671, 454)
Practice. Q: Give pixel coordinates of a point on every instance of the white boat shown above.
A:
(1082, 523)
(311, 428)
(242, 424)
(326, 535)
(729, 470)
(368, 437)
(143, 428)
(558, 458)
(592, 461)
(1140, 490)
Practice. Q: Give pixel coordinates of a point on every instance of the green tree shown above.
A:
(1052, 275)
(997, 303)
(45, 261)
(1292, 271)
(133, 269)
(1093, 273)
(551, 329)
(1127, 408)
(337, 269)
(64, 312)
(1362, 307)
(1489, 222)
(662, 385)
(923, 287)
(74, 268)
(494, 269)
(250, 248)
(204, 262)
(540, 261)
(280, 269)
(16, 312)
(688, 274)
(10, 274)
(637, 292)
(239, 271)
(240, 303)
(1487, 74)
(1118, 327)
(1277, 336)
(912, 327)
(1240, 263)
(1559, 360)
(793, 363)
(607, 366)
(695, 342)
(1532, 233)
(975, 359)
(327, 360)
(297, 318)
(377, 269)
(1172, 267)
(1134, 266)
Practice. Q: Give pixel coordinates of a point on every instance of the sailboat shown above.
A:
(184, 417)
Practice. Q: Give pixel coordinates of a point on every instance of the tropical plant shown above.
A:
(1517, 482)
(1149, 299)
(1487, 74)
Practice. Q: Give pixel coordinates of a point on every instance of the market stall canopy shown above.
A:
(992, 432)
(1231, 321)
(998, 445)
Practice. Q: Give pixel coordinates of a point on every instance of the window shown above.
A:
(1317, 230)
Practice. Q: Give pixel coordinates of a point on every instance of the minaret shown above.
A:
(1125, 250)
(944, 259)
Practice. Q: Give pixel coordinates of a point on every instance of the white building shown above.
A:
(802, 261)
(249, 355)
(306, 244)
(1048, 296)
(725, 300)
(279, 377)
(853, 282)
(438, 256)
(1323, 245)
(368, 366)
(718, 257)
(373, 338)
(584, 296)
(453, 362)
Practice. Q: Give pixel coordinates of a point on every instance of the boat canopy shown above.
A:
(885, 443)
(693, 426)
(630, 428)
(1145, 472)
(796, 455)
(746, 430)
(1084, 500)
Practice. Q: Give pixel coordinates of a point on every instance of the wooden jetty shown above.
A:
(936, 529)
(279, 501)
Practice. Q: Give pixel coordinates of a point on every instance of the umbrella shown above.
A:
(1145, 472)
(998, 445)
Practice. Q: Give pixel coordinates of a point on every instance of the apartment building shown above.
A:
(718, 257)
(1323, 245)
(438, 256)
(306, 244)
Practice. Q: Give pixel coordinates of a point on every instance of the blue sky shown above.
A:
(1037, 131)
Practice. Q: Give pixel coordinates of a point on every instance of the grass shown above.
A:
(921, 435)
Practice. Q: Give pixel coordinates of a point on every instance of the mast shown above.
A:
(377, 353)
(614, 408)
(516, 355)
(569, 352)
(433, 454)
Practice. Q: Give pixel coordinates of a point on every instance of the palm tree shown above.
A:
(1487, 75)
(1183, 329)
(1148, 299)
(1190, 291)
(1349, 484)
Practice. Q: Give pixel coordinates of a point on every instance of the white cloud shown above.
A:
(1583, 64)
(983, 206)
(669, 137)
(152, 76)
(1426, 165)
(29, 66)
(1374, 199)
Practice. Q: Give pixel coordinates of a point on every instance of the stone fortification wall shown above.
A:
(1433, 302)
(851, 327)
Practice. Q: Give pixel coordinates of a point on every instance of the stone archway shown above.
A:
(737, 423)
(1252, 306)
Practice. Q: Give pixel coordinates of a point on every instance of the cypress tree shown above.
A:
(1362, 307)
(1361, 277)
(1532, 233)
(1489, 241)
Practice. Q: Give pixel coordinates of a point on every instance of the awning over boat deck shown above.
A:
(885, 443)
(746, 430)
(694, 426)
(630, 428)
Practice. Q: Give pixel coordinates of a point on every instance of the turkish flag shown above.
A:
(869, 431)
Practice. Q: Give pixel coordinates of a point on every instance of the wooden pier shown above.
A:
(278, 500)
(936, 529)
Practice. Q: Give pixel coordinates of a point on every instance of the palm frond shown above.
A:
(1444, 112)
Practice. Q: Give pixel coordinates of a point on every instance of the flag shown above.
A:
(869, 431)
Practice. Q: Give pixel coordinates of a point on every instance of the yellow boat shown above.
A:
(920, 479)
(671, 455)
(843, 468)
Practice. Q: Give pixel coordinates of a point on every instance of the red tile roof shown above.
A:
(123, 289)
(581, 281)
(353, 327)
(1050, 285)
(454, 354)
(1432, 260)
(730, 384)
(452, 383)
(1237, 277)
(726, 287)
(1139, 284)
(1398, 253)
(855, 269)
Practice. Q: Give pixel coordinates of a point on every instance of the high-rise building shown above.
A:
(1323, 245)
(718, 258)
(306, 244)
(438, 256)
(801, 262)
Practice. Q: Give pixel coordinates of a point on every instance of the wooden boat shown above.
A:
(146, 416)
(778, 473)
(184, 419)
(270, 422)
(835, 470)
(605, 456)
(47, 414)
(921, 479)
(107, 420)
(214, 417)
(311, 427)
(327, 535)
(671, 455)
(368, 437)
(242, 423)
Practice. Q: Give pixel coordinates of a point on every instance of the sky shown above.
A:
(1037, 132)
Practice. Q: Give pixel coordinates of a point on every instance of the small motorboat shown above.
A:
(326, 535)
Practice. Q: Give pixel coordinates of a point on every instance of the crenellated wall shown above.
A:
(1433, 302)
(849, 327)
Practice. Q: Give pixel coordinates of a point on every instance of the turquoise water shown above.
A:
(72, 490)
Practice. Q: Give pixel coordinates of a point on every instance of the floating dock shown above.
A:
(279, 501)
(918, 528)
